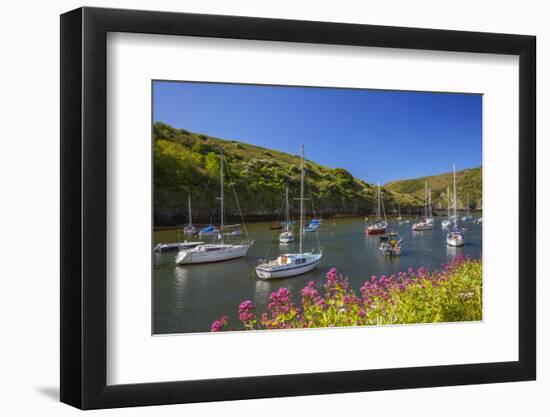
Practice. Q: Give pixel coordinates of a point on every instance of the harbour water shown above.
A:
(187, 299)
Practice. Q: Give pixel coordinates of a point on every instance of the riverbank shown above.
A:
(259, 219)
(451, 294)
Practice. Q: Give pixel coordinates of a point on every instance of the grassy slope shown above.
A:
(468, 181)
(186, 162)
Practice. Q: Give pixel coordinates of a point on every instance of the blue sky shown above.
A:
(376, 135)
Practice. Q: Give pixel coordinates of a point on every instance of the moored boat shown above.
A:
(189, 228)
(400, 219)
(390, 244)
(287, 235)
(215, 252)
(446, 223)
(426, 223)
(289, 265)
(380, 226)
(468, 217)
(292, 264)
(313, 226)
(209, 230)
(456, 236)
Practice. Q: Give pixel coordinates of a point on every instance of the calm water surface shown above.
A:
(189, 298)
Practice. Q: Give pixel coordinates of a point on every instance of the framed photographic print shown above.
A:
(257, 208)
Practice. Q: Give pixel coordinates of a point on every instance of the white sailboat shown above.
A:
(468, 217)
(456, 236)
(292, 264)
(381, 225)
(400, 219)
(287, 235)
(215, 252)
(425, 223)
(429, 214)
(447, 222)
(189, 228)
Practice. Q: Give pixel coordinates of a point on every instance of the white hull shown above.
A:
(419, 227)
(286, 237)
(446, 223)
(211, 253)
(455, 239)
(210, 233)
(271, 271)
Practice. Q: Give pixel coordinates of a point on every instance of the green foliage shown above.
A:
(458, 298)
(451, 295)
(187, 162)
(468, 182)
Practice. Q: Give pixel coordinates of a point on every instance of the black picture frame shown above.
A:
(84, 207)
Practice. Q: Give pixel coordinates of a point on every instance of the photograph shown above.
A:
(300, 207)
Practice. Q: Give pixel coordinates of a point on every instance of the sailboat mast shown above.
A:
(448, 204)
(425, 199)
(378, 212)
(429, 202)
(287, 227)
(454, 195)
(302, 202)
(221, 196)
(189, 204)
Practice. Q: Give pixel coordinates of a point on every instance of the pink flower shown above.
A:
(246, 311)
(219, 324)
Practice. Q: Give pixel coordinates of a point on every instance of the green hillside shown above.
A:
(186, 162)
(468, 182)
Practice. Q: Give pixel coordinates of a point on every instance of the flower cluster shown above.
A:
(246, 314)
(415, 296)
(219, 324)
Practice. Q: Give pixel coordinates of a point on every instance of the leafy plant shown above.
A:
(422, 296)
